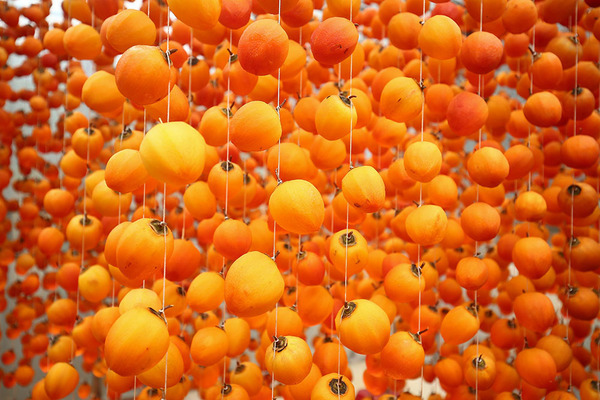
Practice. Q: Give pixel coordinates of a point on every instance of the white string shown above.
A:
(164, 208)
(421, 84)
(571, 229)
(479, 92)
(274, 222)
(339, 333)
(228, 112)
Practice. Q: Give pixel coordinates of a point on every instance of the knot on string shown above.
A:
(280, 105)
(275, 255)
(165, 308)
(232, 57)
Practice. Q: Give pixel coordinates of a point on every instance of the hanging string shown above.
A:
(183, 227)
(422, 138)
(480, 86)
(228, 125)
(350, 167)
(164, 207)
(571, 223)
(297, 269)
(274, 222)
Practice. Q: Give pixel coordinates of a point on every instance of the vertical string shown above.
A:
(164, 206)
(480, 85)
(228, 126)
(301, 91)
(227, 156)
(189, 105)
(274, 222)
(422, 138)
(144, 135)
(350, 167)
(571, 228)
(297, 272)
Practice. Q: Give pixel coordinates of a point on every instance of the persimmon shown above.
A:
(145, 87)
(94, 283)
(519, 16)
(582, 303)
(154, 237)
(534, 311)
(173, 153)
(331, 386)
(480, 371)
(197, 14)
(289, 359)
(471, 273)
(577, 199)
(126, 353)
(481, 52)
(125, 171)
(403, 356)
(580, 152)
(232, 239)
(404, 282)
(427, 225)
(480, 221)
(129, 28)
(84, 232)
(335, 117)
(488, 167)
(422, 161)
(460, 324)
(404, 30)
(536, 377)
(167, 372)
(466, 113)
(263, 47)
(440, 37)
(543, 100)
(249, 123)
(520, 160)
(209, 345)
(61, 380)
(351, 321)
(354, 187)
(348, 251)
(61, 349)
(532, 257)
(82, 42)
(401, 99)
(248, 294)
(333, 40)
(248, 375)
(297, 206)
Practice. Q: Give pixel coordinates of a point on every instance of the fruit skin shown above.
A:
(253, 285)
(142, 74)
(297, 206)
(255, 126)
(333, 40)
(364, 327)
(289, 359)
(61, 380)
(173, 153)
(136, 341)
(142, 246)
(263, 47)
(363, 187)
